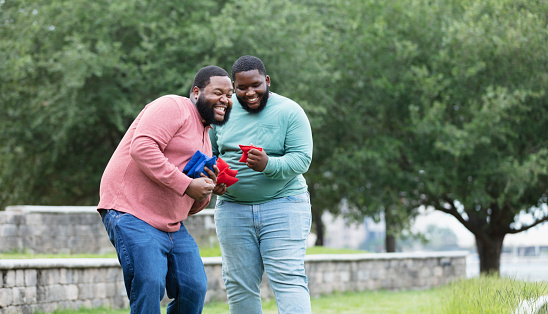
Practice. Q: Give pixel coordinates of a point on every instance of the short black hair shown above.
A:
(248, 63)
(203, 76)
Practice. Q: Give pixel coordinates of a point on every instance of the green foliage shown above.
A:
(74, 75)
(438, 103)
(412, 102)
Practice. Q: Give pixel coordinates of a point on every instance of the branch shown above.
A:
(452, 211)
(536, 223)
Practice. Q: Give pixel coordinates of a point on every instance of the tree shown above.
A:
(443, 104)
(74, 74)
(483, 105)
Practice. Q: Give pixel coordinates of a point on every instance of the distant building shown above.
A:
(339, 233)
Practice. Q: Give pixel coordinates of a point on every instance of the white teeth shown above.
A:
(223, 109)
(253, 100)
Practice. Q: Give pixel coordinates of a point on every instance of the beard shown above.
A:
(205, 110)
(261, 106)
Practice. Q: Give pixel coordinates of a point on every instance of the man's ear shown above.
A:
(195, 92)
(267, 79)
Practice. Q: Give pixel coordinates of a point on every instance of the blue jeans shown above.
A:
(155, 261)
(272, 237)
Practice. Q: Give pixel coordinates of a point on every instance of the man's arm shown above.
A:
(298, 150)
(158, 124)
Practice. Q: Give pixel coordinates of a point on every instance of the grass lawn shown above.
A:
(204, 252)
(485, 294)
(362, 302)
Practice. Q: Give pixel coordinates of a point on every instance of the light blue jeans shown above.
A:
(154, 261)
(272, 237)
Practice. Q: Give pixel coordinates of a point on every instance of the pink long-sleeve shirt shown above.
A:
(144, 175)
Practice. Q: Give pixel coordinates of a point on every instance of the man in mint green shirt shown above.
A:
(264, 219)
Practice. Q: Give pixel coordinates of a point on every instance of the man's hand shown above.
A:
(257, 159)
(200, 188)
(220, 189)
(212, 175)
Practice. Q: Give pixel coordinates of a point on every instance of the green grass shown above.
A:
(355, 302)
(216, 251)
(485, 294)
(490, 294)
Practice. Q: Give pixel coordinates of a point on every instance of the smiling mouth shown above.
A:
(220, 108)
(252, 101)
(219, 111)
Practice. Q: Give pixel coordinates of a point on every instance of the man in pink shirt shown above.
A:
(145, 196)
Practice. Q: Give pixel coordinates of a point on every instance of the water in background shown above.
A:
(528, 268)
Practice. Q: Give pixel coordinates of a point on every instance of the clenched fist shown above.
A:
(200, 188)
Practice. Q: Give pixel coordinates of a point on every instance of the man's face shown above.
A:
(251, 90)
(215, 100)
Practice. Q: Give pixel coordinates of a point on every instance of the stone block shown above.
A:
(363, 275)
(111, 289)
(100, 290)
(34, 219)
(438, 271)
(6, 297)
(41, 294)
(12, 218)
(71, 292)
(19, 278)
(8, 278)
(48, 277)
(48, 307)
(66, 275)
(18, 294)
(9, 230)
(23, 295)
(344, 276)
(86, 304)
(31, 294)
(85, 291)
(10, 244)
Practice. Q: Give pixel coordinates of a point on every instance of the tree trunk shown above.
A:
(489, 251)
(389, 238)
(318, 224)
(317, 213)
(390, 243)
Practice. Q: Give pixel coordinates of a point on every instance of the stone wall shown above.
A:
(75, 229)
(44, 285)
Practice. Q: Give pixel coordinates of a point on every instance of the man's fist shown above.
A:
(200, 188)
(257, 159)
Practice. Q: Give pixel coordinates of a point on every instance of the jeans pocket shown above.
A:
(109, 218)
(301, 221)
(298, 198)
